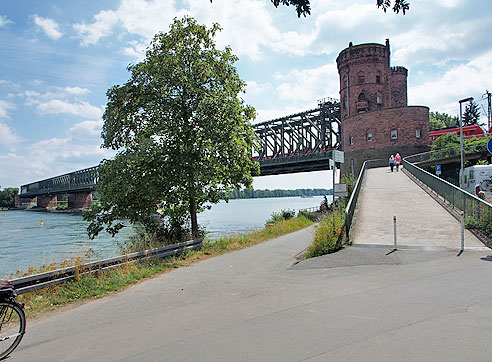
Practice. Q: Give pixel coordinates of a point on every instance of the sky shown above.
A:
(58, 59)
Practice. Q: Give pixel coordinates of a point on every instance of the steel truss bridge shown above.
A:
(297, 143)
(300, 142)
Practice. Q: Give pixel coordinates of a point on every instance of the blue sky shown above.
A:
(58, 59)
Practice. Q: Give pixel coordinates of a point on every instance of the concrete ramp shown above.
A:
(421, 221)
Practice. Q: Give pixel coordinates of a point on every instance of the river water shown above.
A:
(25, 243)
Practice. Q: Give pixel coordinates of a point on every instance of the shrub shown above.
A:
(280, 216)
(328, 235)
(311, 216)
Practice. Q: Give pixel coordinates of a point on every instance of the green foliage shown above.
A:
(303, 7)
(328, 235)
(484, 222)
(441, 120)
(471, 114)
(280, 216)
(448, 140)
(347, 178)
(182, 132)
(402, 5)
(7, 196)
(253, 194)
(311, 216)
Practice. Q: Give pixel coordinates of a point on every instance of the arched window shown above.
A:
(362, 97)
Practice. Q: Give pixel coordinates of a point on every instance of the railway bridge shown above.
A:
(299, 142)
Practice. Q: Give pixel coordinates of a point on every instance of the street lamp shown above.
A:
(461, 140)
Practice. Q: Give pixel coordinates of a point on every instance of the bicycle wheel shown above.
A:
(12, 327)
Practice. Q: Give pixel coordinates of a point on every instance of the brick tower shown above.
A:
(376, 120)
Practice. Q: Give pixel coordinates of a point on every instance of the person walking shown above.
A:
(397, 161)
(391, 162)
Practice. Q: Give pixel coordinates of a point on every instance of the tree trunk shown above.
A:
(193, 215)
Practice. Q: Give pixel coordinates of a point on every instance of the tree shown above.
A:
(183, 135)
(7, 196)
(303, 7)
(472, 113)
(447, 140)
(441, 120)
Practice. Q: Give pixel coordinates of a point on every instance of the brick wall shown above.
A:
(380, 124)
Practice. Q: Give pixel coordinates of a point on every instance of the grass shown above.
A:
(328, 235)
(91, 286)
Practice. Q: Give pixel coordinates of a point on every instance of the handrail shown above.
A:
(477, 212)
(54, 277)
(350, 209)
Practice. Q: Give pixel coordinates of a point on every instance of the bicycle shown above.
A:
(12, 319)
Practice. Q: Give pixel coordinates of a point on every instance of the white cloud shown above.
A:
(57, 106)
(4, 21)
(138, 17)
(48, 26)
(4, 108)
(76, 90)
(303, 86)
(80, 148)
(102, 25)
(461, 81)
(8, 137)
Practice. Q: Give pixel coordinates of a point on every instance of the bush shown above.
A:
(311, 216)
(328, 235)
(280, 216)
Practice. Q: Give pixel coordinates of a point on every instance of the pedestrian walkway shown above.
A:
(421, 221)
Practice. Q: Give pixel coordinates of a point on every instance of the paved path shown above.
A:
(421, 221)
(256, 305)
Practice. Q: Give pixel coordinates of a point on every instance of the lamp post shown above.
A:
(461, 140)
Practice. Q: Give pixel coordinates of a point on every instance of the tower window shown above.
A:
(361, 79)
(369, 137)
(351, 140)
(378, 99)
(378, 79)
(417, 133)
(362, 97)
(394, 134)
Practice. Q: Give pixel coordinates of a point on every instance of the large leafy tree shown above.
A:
(472, 113)
(7, 196)
(303, 7)
(442, 120)
(182, 132)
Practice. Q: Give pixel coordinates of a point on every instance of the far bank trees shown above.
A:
(182, 132)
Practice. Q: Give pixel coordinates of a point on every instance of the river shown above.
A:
(25, 242)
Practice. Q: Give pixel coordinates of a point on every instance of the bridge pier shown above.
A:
(47, 202)
(25, 202)
(79, 200)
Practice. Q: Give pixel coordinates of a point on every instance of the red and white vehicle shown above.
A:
(468, 132)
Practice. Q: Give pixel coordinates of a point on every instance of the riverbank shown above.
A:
(94, 286)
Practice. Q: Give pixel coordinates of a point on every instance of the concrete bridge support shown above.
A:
(79, 200)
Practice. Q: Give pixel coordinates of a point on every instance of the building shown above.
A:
(376, 120)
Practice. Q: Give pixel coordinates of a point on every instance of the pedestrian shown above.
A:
(397, 161)
(391, 162)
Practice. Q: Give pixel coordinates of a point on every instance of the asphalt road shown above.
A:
(258, 304)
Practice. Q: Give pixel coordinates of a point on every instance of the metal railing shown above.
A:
(350, 209)
(59, 276)
(478, 213)
(446, 153)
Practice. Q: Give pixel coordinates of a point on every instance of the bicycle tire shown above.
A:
(12, 327)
